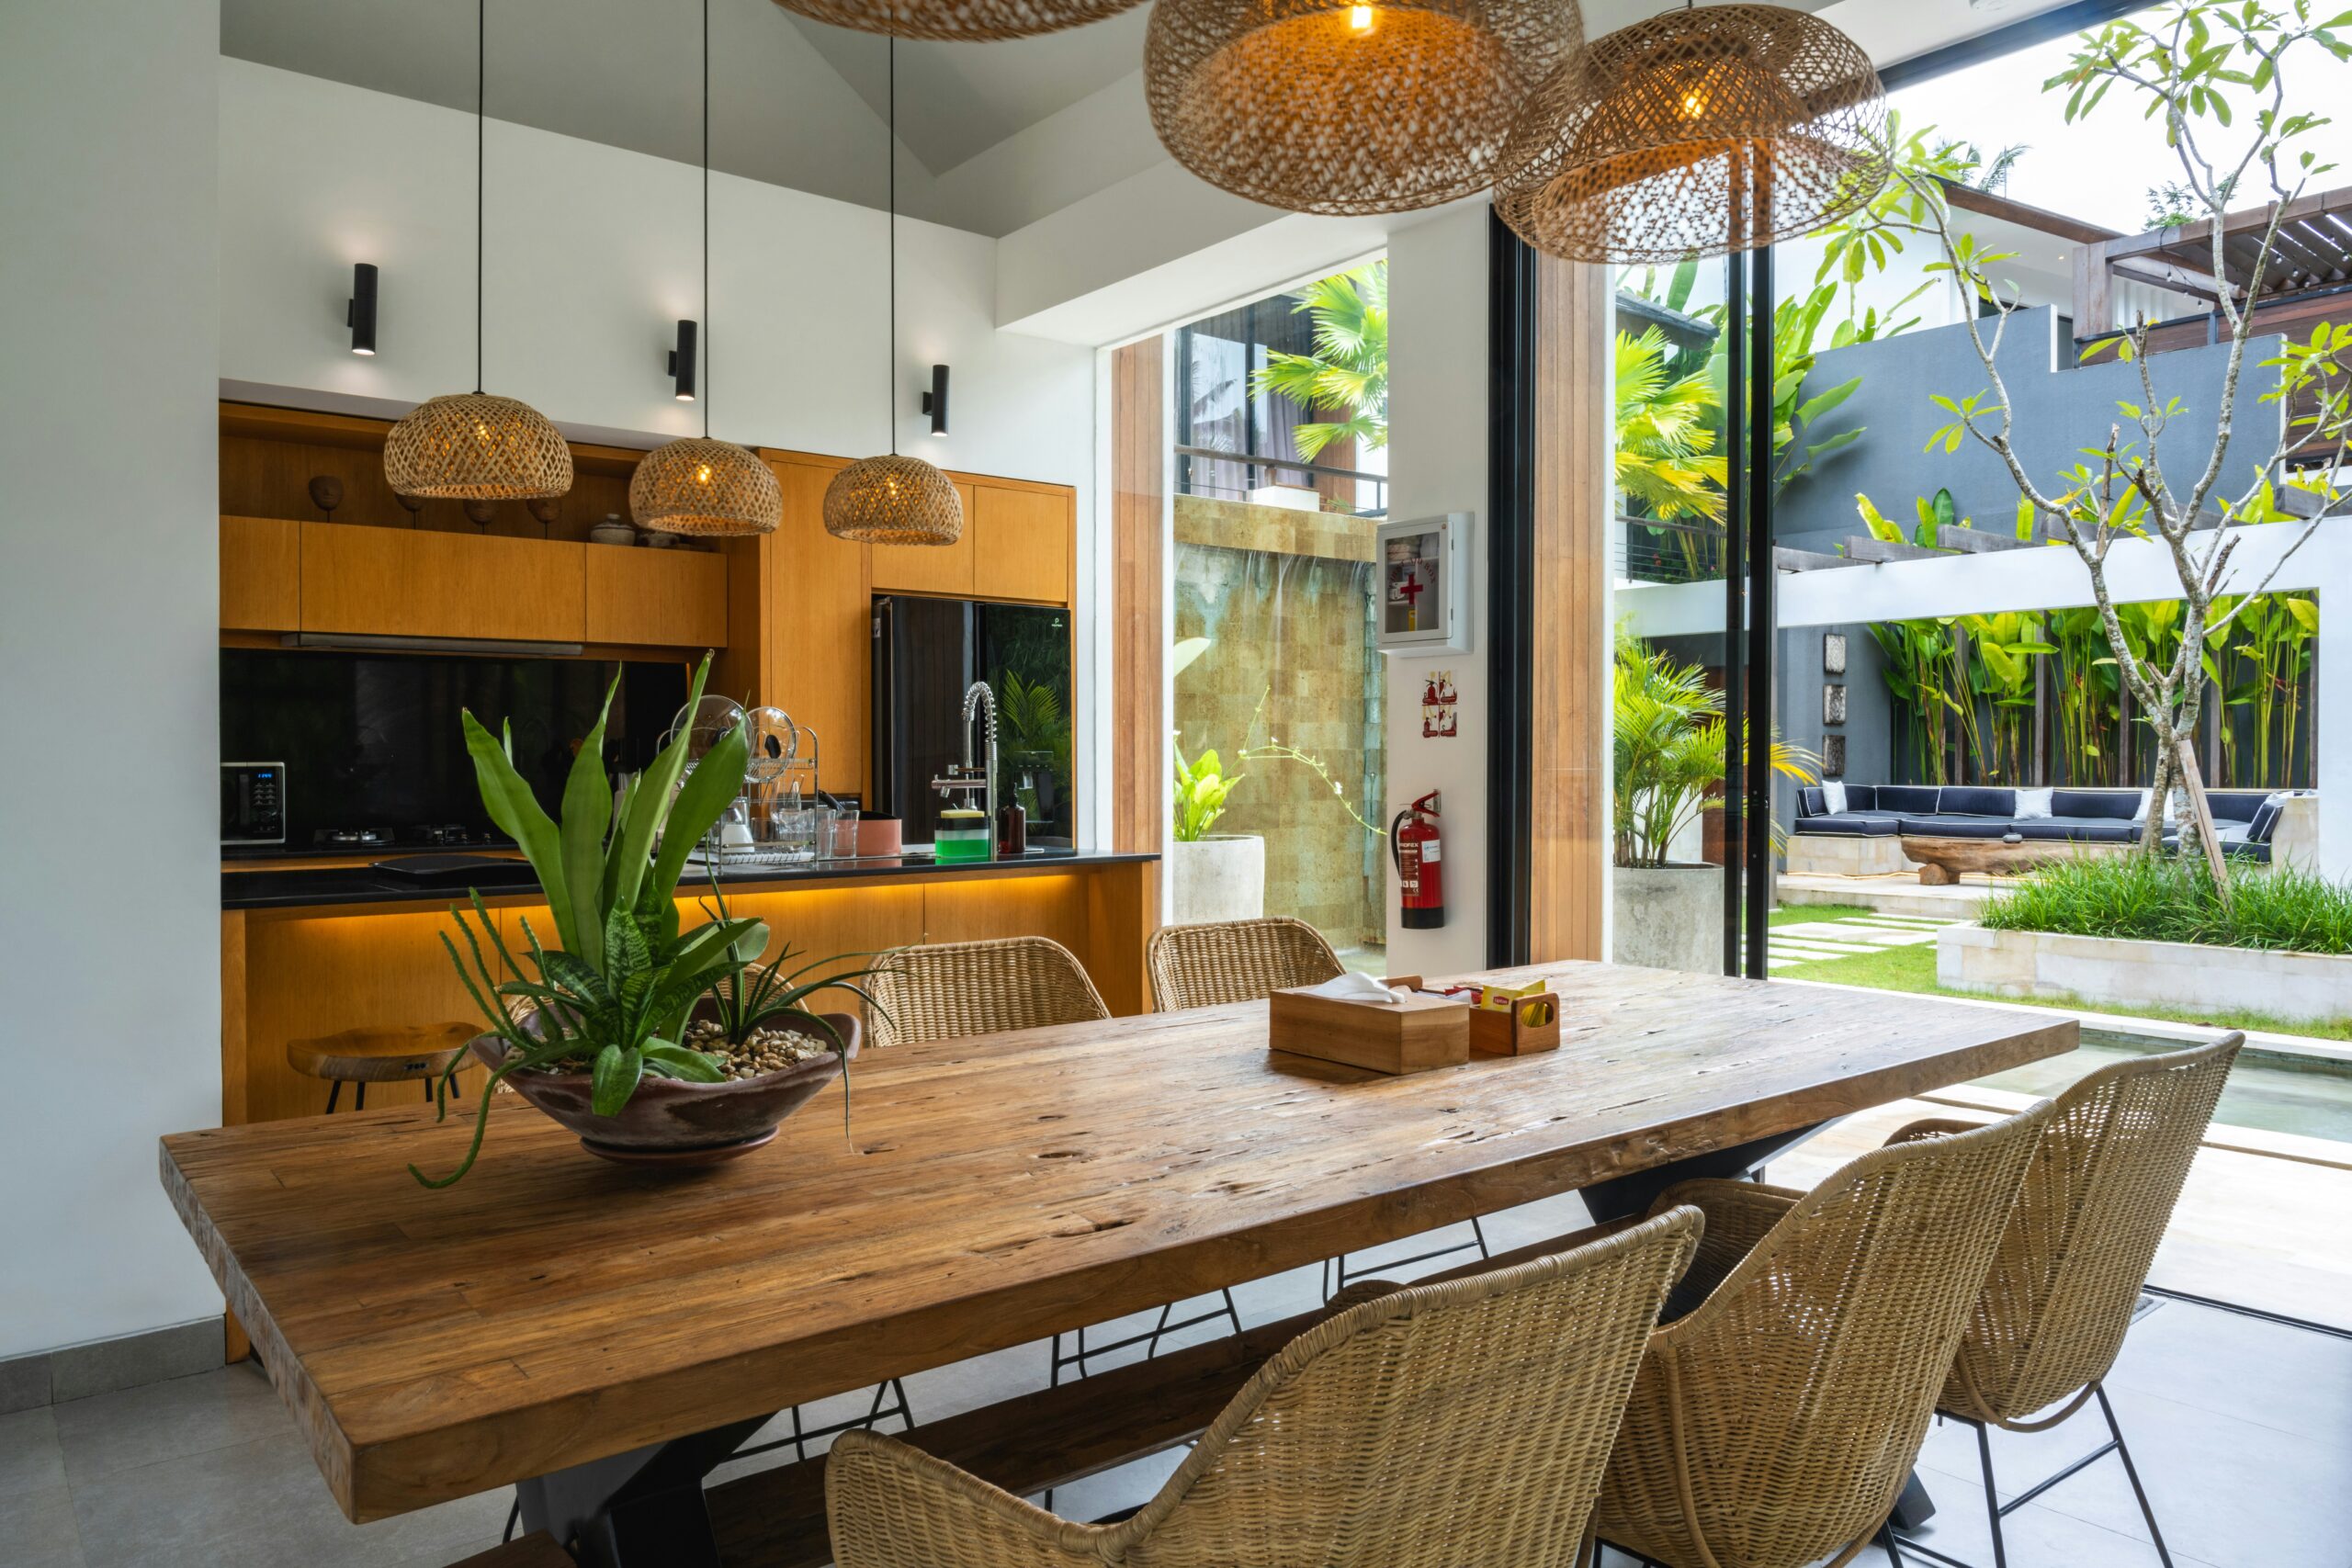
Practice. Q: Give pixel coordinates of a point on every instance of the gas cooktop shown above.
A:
(428, 835)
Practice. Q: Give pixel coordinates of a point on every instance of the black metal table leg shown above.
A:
(640, 1509)
(1624, 1197)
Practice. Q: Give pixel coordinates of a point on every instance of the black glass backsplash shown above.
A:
(373, 741)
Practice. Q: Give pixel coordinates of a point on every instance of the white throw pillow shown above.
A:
(2140, 813)
(1832, 796)
(2033, 804)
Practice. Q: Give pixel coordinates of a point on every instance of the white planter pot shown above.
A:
(1668, 917)
(2302, 986)
(1221, 877)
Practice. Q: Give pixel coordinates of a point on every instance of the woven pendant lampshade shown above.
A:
(705, 487)
(471, 445)
(894, 501)
(958, 20)
(1322, 106)
(474, 446)
(697, 485)
(1696, 133)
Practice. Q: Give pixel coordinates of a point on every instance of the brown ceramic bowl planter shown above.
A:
(670, 1121)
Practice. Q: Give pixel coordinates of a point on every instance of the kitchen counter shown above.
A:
(281, 887)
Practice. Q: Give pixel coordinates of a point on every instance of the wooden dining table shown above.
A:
(601, 1333)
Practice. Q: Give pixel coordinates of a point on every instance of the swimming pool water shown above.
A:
(2271, 1092)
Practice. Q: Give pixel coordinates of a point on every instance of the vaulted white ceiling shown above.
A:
(992, 136)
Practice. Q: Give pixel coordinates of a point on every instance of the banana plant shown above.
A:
(616, 988)
(2004, 650)
(2087, 689)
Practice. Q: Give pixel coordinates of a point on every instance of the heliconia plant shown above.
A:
(617, 989)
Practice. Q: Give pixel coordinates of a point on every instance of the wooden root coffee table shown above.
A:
(1942, 861)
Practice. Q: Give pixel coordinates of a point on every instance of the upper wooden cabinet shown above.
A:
(944, 569)
(1023, 545)
(669, 598)
(816, 637)
(411, 582)
(261, 574)
(1016, 544)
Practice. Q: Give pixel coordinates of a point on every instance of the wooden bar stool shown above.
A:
(398, 1053)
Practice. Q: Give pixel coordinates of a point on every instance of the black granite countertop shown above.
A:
(295, 888)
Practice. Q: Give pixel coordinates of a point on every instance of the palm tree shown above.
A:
(1348, 372)
(1666, 730)
(1667, 461)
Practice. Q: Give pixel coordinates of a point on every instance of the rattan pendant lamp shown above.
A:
(894, 500)
(471, 445)
(697, 485)
(958, 20)
(1330, 107)
(1697, 132)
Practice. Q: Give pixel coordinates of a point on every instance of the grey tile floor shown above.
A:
(2243, 1430)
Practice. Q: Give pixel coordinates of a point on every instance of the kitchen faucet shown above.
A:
(979, 701)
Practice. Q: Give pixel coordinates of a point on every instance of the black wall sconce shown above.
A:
(682, 361)
(934, 402)
(359, 310)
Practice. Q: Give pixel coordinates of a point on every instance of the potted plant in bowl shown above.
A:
(1212, 877)
(1667, 759)
(641, 1036)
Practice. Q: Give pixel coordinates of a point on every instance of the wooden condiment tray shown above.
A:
(1528, 1025)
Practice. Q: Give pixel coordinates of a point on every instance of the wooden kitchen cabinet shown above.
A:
(670, 598)
(405, 583)
(261, 574)
(1024, 544)
(816, 632)
(944, 569)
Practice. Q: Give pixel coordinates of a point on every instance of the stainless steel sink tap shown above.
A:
(980, 700)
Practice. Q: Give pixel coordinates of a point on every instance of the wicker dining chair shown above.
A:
(2067, 1277)
(1774, 1422)
(945, 990)
(1245, 961)
(1462, 1425)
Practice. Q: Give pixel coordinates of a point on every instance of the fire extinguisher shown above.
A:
(1414, 844)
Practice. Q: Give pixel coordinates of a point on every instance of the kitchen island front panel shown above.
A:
(308, 952)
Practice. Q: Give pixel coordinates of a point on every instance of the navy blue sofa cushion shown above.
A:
(1941, 827)
(1957, 800)
(1851, 824)
(2234, 805)
(1918, 799)
(2095, 803)
(2263, 822)
(2079, 829)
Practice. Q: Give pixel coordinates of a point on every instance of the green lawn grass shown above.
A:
(1798, 914)
(1913, 968)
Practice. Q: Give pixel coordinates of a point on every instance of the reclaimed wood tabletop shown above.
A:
(553, 1309)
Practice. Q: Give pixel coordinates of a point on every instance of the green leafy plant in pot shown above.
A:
(594, 1029)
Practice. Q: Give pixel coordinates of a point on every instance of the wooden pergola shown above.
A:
(2307, 279)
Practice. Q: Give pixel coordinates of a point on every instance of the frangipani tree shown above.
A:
(2206, 74)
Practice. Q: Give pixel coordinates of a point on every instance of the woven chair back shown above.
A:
(949, 989)
(2094, 1207)
(1442, 1425)
(1234, 961)
(1774, 1424)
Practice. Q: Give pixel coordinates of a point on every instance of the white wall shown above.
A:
(109, 925)
(593, 252)
(1437, 463)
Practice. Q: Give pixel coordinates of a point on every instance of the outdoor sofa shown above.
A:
(2245, 818)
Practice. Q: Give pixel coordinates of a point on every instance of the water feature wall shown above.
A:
(1290, 673)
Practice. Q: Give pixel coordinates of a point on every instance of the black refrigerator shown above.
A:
(926, 653)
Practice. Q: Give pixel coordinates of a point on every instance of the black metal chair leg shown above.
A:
(1992, 1495)
(1157, 1329)
(1886, 1540)
(2132, 1472)
(1479, 1232)
(359, 1096)
(335, 1092)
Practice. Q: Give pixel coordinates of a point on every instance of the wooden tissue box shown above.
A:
(1410, 1037)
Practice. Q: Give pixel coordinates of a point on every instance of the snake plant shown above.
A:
(616, 988)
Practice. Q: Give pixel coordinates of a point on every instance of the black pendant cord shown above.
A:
(482, 84)
(705, 344)
(889, 382)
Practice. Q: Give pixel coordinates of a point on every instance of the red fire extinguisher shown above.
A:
(1414, 843)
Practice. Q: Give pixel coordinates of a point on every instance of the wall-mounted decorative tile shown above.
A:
(1833, 757)
(1833, 653)
(1833, 705)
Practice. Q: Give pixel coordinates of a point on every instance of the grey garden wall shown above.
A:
(1800, 682)
(2061, 407)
